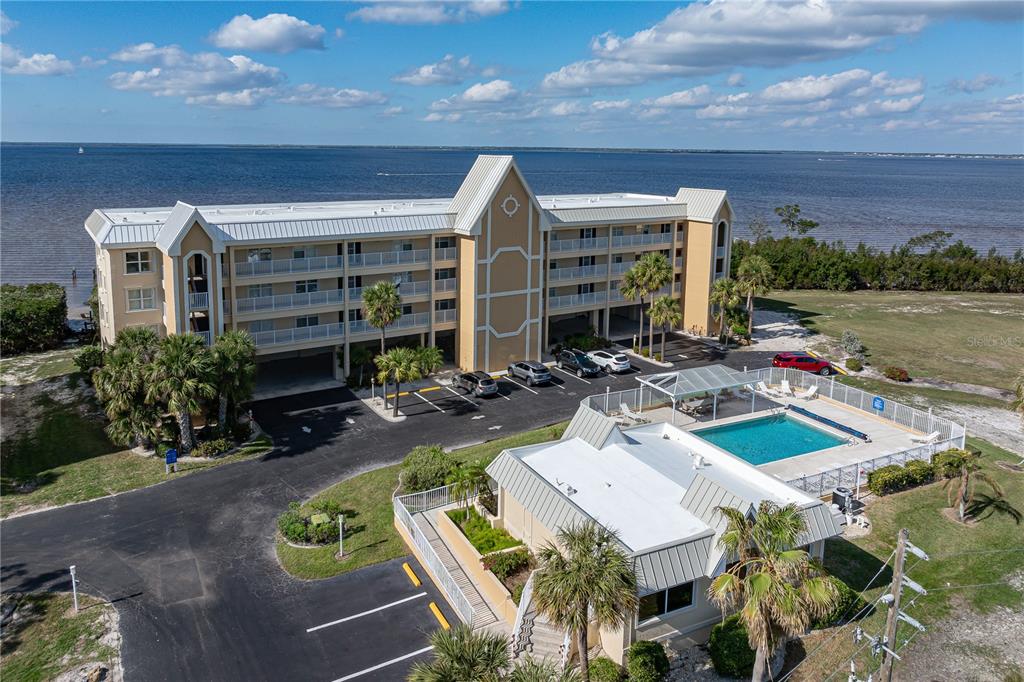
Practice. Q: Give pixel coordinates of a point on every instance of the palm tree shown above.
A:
(656, 271)
(463, 655)
(400, 364)
(726, 297)
(383, 308)
(585, 577)
(961, 488)
(360, 356)
(121, 385)
(234, 359)
(430, 358)
(180, 376)
(755, 279)
(467, 481)
(634, 288)
(665, 312)
(780, 590)
(530, 670)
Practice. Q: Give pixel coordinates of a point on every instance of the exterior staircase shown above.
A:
(540, 639)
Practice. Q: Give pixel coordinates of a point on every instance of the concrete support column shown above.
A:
(423, 337)
(339, 373)
(347, 363)
(594, 321)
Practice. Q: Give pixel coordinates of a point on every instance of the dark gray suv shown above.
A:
(578, 362)
(531, 372)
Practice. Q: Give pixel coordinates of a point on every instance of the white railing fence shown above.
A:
(636, 399)
(407, 505)
(197, 300)
(288, 265)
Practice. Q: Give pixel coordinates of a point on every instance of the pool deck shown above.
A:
(886, 437)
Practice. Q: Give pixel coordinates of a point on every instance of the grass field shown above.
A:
(370, 535)
(913, 395)
(49, 638)
(969, 567)
(958, 337)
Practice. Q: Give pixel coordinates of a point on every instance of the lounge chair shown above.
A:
(930, 438)
(786, 389)
(692, 407)
(767, 390)
(808, 394)
(631, 415)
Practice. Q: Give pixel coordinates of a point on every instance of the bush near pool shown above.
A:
(646, 661)
(894, 478)
(605, 670)
(730, 649)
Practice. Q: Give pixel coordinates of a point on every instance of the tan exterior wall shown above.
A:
(520, 523)
(465, 339)
(699, 254)
(118, 283)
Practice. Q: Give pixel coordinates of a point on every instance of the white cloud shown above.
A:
(202, 78)
(693, 97)
(610, 105)
(429, 12)
(448, 71)
(732, 99)
(567, 109)
(6, 23)
(15, 63)
(979, 83)
(881, 107)
(736, 80)
(477, 96)
(332, 98)
(393, 111)
(800, 122)
(281, 33)
(448, 118)
(810, 88)
(723, 111)
(716, 36)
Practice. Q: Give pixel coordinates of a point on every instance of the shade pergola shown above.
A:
(686, 383)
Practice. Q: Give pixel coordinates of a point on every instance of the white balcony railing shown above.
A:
(289, 265)
(287, 301)
(624, 266)
(404, 322)
(449, 284)
(299, 334)
(641, 239)
(574, 300)
(409, 289)
(561, 245)
(614, 296)
(559, 274)
(367, 260)
(441, 316)
(206, 336)
(447, 253)
(198, 300)
(227, 306)
(679, 262)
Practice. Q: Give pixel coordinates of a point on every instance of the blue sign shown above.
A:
(171, 456)
(877, 403)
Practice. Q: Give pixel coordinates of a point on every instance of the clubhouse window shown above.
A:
(666, 601)
(136, 262)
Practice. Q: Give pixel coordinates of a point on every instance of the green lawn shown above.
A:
(914, 395)
(49, 638)
(370, 536)
(960, 337)
(968, 569)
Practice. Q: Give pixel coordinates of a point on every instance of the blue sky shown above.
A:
(887, 75)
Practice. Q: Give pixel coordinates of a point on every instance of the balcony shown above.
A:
(226, 306)
(382, 258)
(641, 239)
(449, 284)
(404, 322)
(442, 316)
(279, 337)
(406, 289)
(624, 266)
(447, 253)
(559, 274)
(289, 301)
(206, 336)
(563, 245)
(720, 251)
(286, 266)
(679, 262)
(574, 300)
(198, 300)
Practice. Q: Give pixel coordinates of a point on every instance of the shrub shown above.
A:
(896, 374)
(852, 344)
(645, 352)
(488, 500)
(919, 472)
(947, 463)
(89, 359)
(517, 593)
(504, 564)
(646, 662)
(299, 527)
(209, 448)
(292, 524)
(586, 342)
(32, 317)
(326, 506)
(739, 330)
(854, 365)
(427, 467)
(730, 649)
(888, 479)
(241, 432)
(657, 356)
(848, 604)
(604, 670)
(480, 534)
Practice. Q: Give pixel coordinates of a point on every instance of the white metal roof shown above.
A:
(702, 204)
(698, 380)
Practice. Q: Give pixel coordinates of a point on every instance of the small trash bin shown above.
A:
(841, 496)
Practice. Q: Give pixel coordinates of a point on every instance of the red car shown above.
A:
(803, 361)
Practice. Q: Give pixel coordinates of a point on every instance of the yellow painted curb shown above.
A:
(834, 365)
(440, 616)
(392, 395)
(412, 574)
(430, 388)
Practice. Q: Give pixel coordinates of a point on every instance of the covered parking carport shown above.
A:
(699, 381)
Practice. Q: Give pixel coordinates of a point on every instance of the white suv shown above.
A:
(610, 362)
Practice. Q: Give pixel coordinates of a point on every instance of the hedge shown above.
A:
(894, 478)
(32, 317)
(504, 564)
(604, 670)
(484, 538)
(427, 467)
(730, 649)
(646, 661)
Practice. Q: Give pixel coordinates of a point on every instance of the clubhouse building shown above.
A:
(490, 275)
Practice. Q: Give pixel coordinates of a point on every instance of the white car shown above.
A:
(610, 362)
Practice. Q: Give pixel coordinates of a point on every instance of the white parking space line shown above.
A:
(504, 396)
(366, 613)
(520, 385)
(572, 375)
(313, 409)
(428, 402)
(384, 664)
(454, 392)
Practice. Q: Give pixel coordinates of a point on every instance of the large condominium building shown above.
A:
(490, 275)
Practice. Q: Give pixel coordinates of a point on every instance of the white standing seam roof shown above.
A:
(702, 204)
(698, 380)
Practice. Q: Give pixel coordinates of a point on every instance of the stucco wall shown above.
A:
(118, 282)
(698, 264)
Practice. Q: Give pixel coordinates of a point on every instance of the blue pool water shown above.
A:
(767, 439)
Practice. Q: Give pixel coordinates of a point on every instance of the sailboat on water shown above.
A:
(81, 151)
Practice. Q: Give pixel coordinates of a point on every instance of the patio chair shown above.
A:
(767, 390)
(808, 394)
(927, 440)
(786, 389)
(631, 415)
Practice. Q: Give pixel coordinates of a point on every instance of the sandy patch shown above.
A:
(775, 332)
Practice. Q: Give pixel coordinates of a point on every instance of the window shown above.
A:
(722, 230)
(407, 309)
(307, 321)
(355, 315)
(136, 262)
(584, 288)
(444, 242)
(588, 233)
(355, 281)
(647, 229)
(261, 326)
(306, 286)
(445, 304)
(720, 265)
(553, 265)
(552, 292)
(617, 258)
(618, 231)
(141, 299)
(444, 273)
(303, 252)
(402, 277)
(257, 255)
(587, 260)
(355, 248)
(402, 246)
(666, 601)
(260, 290)
(666, 228)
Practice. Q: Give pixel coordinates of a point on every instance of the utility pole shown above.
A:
(892, 621)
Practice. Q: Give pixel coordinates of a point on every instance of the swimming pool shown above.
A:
(767, 439)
